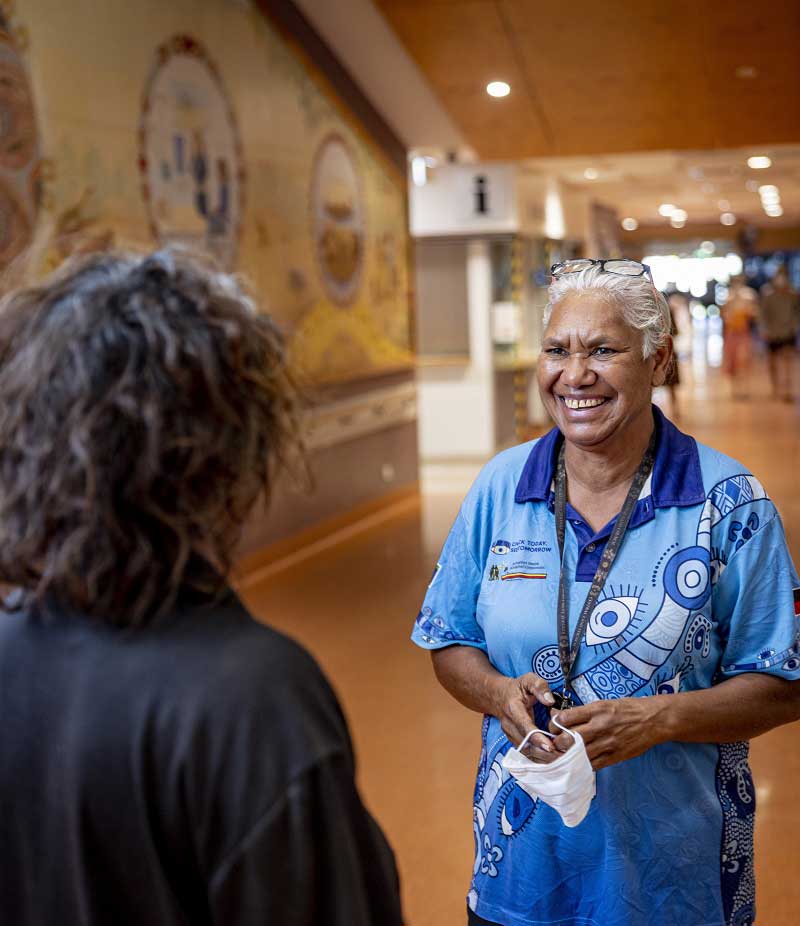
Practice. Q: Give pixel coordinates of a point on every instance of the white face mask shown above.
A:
(567, 783)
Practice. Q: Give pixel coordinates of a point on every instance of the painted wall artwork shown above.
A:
(190, 153)
(209, 128)
(337, 217)
(20, 160)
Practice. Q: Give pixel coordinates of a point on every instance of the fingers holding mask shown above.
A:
(516, 717)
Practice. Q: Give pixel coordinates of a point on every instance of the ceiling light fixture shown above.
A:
(679, 215)
(666, 209)
(590, 174)
(728, 218)
(759, 162)
(629, 224)
(767, 189)
(498, 88)
(774, 212)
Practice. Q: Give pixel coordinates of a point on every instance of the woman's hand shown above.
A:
(516, 698)
(612, 730)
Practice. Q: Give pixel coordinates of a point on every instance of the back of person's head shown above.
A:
(144, 405)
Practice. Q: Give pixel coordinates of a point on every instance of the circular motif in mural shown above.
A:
(337, 219)
(19, 151)
(190, 153)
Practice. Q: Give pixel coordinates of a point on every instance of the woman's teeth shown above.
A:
(582, 403)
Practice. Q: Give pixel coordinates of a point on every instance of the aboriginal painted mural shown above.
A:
(20, 158)
(196, 122)
(190, 155)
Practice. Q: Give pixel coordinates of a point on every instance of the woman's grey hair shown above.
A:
(643, 307)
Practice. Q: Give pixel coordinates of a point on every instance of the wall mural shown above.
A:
(337, 219)
(20, 157)
(190, 154)
(160, 156)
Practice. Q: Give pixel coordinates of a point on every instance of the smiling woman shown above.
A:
(663, 618)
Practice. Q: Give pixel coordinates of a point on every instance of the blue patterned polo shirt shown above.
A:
(703, 589)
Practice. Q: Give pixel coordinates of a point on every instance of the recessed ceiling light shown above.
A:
(728, 218)
(774, 211)
(759, 162)
(590, 174)
(767, 189)
(751, 186)
(498, 88)
(679, 215)
(770, 199)
(630, 224)
(723, 205)
(676, 224)
(746, 71)
(666, 209)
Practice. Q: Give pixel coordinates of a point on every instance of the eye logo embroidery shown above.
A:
(501, 547)
(609, 619)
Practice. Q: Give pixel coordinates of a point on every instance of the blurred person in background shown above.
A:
(779, 319)
(166, 759)
(739, 314)
(678, 303)
(630, 592)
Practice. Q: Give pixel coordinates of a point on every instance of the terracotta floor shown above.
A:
(353, 604)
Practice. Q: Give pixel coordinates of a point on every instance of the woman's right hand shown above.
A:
(469, 676)
(516, 698)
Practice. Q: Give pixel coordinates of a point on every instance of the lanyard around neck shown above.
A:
(567, 653)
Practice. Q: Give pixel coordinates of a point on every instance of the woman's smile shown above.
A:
(593, 377)
(583, 403)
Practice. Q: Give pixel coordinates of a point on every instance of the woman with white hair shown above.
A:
(619, 602)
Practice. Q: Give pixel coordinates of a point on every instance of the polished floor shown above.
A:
(352, 604)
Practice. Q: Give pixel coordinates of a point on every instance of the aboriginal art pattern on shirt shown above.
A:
(659, 639)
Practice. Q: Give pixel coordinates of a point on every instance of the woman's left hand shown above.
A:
(612, 730)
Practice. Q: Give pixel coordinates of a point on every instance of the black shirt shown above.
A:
(197, 771)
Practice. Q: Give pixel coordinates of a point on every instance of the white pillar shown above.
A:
(479, 299)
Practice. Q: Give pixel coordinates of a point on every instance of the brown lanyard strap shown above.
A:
(567, 653)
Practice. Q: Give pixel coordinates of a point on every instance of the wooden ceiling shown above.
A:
(702, 183)
(619, 76)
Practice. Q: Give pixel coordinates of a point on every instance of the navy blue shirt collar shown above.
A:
(676, 479)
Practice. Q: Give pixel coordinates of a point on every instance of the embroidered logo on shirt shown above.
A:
(501, 547)
(523, 570)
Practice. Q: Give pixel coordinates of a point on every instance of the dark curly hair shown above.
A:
(144, 408)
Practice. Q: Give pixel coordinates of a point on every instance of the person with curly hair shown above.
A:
(166, 758)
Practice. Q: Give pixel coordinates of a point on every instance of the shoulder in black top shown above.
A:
(195, 772)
